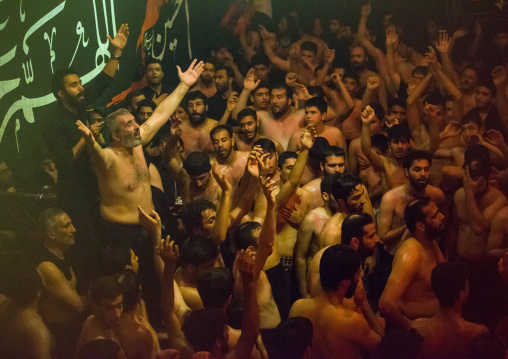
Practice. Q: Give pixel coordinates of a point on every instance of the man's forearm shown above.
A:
(78, 148)
(476, 220)
(242, 103)
(372, 319)
(221, 225)
(393, 235)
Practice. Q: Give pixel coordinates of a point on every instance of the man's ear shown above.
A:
(206, 107)
(325, 196)
(355, 243)
(420, 226)
(251, 98)
(115, 137)
(60, 94)
(406, 172)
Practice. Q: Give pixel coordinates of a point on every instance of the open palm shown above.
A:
(190, 76)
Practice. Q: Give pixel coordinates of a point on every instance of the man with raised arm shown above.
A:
(339, 332)
(448, 334)
(315, 115)
(390, 166)
(408, 293)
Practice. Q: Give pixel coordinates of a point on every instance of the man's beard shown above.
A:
(224, 153)
(279, 111)
(197, 119)
(418, 185)
(434, 233)
(77, 100)
(130, 141)
(206, 80)
(357, 66)
(351, 290)
(222, 88)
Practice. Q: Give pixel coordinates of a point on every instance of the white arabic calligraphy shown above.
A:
(50, 41)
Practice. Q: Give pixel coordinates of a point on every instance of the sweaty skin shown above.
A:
(198, 138)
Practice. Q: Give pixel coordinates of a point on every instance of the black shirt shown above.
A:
(216, 106)
(43, 254)
(75, 177)
(151, 94)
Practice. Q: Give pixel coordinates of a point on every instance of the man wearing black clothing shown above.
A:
(156, 90)
(77, 185)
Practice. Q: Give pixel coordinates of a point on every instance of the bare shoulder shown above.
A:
(410, 250)
(49, 272)
(264, 115)
(211, 123)
(435, 193)
(300, 308)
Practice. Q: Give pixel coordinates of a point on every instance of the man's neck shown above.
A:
(68, 107)
(284, 116)
(201, 84)
(335, 299)
(415, 193)
(119, 148)
(454, 312)
(424, 240)
(188, 280)
(156, 88)
(57, 251)
(202, 124)
(247, 141)
(327, 209)
(226, 94)
(229, 160)
(320, 128)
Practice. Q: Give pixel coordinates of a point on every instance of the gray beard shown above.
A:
(131, 142)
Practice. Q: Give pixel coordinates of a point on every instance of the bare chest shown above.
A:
(129, 172)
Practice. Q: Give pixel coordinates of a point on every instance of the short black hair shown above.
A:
(353, 225)
(260, 59)
(105, 288)
(131, 290)
(317, 151)
(152, 60)
(246, 112)
(280, 86)
(116, 256)
(401, 344)
(131, 95)
(397, 132)
(413, 213)
(261, 85)
(284, 156)
(472, 117)
(194, 95)
(477, 158)
(344, 184)
(203, 327)
(397, 101)
(415, 155)
(436, 100)
(309, 46)
(487, 83)
(335, 151)
(229, 71)
(448, 280)
(380, 142)
(317, 102)
(338, 263)
(351, 75)
(219, 128)
(57, 81)
(215, 287)
(198, 250)
(147, 103)
(243, 237)
(267, 145)
(379, 111)
(327, 183)
(292, 338)
(196, 163)
(422, 70)
(191, 214)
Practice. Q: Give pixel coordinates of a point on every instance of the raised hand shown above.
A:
(294, 216)
(391, 121)
(307, 138)
(176, 126)
(360, 298)
(499, 75)
(244, 262)
(392, 37)
(290, 78)
(452, 129)
(152, 150)
(469, 183)
(252, 161)
(222, 175)
(366, 10)
(268, 186)
(460, 32)
(96, 129)
(429, 109)
(432, 58)
(301, 92)
(373, 82)
(169, 252)
(121, 37)
(85, 132)
(151, 223)
(190, 76)
(249, 82)
(265, 35)
(367, 115)
(443, 44)
(494, 137)
(329, 55)
(232, 101)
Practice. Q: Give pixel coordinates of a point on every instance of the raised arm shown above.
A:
(168, 106)
(267, 234)
(99, 156)
(287, 190)
(268, 42)
(245, 262)
(445, 46)
(249, 85)
(230, 106)
(392, 41)
(500, 76)
(372, 156)
(118, 44)
(223, 177)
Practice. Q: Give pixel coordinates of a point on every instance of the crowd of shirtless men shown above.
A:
(344, 198)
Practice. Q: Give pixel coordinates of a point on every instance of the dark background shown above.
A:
(20, 142)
